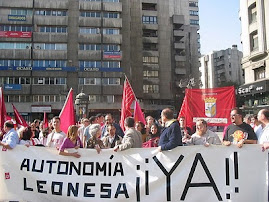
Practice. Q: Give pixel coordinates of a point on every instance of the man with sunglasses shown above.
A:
(239, 132)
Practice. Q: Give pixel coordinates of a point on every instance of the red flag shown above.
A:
(138, 114)
(18, 118)
(213, 105)
(127, 99)
(3, 111)
(45, 121)
(67, 114)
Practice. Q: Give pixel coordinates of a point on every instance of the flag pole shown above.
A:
(126, 78)
(66, 100)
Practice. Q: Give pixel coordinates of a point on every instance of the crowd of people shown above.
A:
(102, 132)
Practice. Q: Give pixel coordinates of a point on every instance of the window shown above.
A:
(89, 30)
(149, 19)
(151, 73)
(111, 47)
(50, 46)
(21, 12)
(51, 12)
(252, 13)
(152, 59)
(48, 81)
(7, 45)
(150, 46)
(94, 98)
(254, 43)
(111, 15)
(90, 14)
(50, 63)
(151, 88)
(108, 98)
(18, 28)
(23, 63)
(111, 31)
(150, 33)
(93, 47)
(193, 4)
(149, 6)
(194, 22)
(84, 63)
(111, 64)
(111, 81)
(259, 73)
(194, 13)
(52, 29)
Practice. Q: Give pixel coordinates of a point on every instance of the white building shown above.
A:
(219, 68)
(255, 32)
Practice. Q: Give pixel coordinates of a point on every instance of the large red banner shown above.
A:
(15, 34)
(213, 105)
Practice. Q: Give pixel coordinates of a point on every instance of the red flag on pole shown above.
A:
(212, 104)
(67, 114)
(45, 121)
(138, 114)
(127, 99)
(3, 111)
(18, 117)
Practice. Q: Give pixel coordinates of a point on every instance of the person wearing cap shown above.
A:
(11, 138)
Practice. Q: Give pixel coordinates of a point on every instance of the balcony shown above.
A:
(112, 22)
(89, 38)
(63, 4)
(109, 6)
(50, 37)
(49, 54)
(179, 46)
(51, 20)
(86, 55)
(22, 54)
(180, 71)
(88, 5)
(178, 19)
(87, 22)
(150, 40)
(179, 58)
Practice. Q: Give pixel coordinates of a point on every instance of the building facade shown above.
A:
(255, 62)
(48, 47)
(220, 68)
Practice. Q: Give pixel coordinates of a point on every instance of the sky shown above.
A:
(220, 27)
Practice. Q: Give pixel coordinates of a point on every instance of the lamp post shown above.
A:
(82, 102)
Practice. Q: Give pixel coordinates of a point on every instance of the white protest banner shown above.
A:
(193, 173)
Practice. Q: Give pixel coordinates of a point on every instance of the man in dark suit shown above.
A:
(171, 134)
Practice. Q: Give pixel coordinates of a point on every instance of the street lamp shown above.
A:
(82, 102)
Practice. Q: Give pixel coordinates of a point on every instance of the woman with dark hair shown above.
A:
(27, 137)
(139, 126)
(155, 136)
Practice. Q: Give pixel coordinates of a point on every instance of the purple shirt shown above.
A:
(67, 144)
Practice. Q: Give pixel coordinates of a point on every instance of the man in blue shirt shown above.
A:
(11, 137)
(171, 134)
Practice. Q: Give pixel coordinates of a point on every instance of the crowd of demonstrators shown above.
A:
(202, 136)
(111, 140)
(142, 129)
(94, 141)
(239, 132)
(154, 136)
(102, 132)
(71, 140)
(110, 120)
(11, 138)
(171, 133)
(132, 138)
(56, 137)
